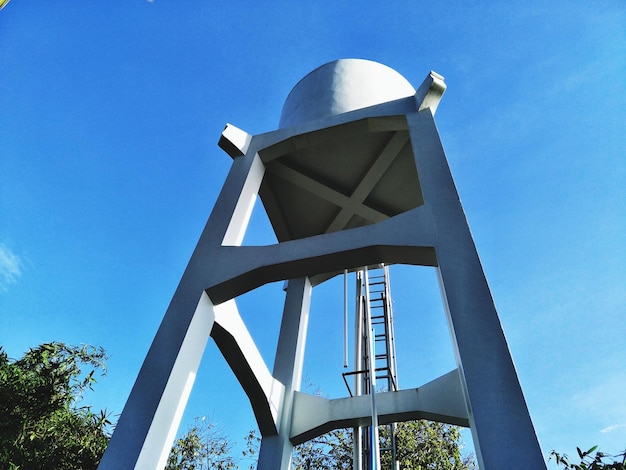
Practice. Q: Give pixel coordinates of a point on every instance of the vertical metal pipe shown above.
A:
(357, 437)
(345, 318)
(374, 444)
(390, 328)
(358, 341)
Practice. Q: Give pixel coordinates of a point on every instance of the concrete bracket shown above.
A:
(234, 141)
(430, 92)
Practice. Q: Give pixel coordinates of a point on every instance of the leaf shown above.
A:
(591, 450)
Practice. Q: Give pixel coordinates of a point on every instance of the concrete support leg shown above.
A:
(146, 430)
(147, 426)
(275, 453)
(503, 433)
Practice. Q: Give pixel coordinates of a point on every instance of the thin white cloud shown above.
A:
(612, 427)
(10, 267)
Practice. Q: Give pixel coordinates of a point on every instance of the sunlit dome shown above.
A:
(341, 86)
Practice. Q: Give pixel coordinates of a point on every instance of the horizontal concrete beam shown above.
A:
(441, 400)
(277, 262)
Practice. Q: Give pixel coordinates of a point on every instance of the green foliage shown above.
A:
(251, 452)
(41, 424)
(332, 450)
(203, 446)
(589, 461)
(421, 445)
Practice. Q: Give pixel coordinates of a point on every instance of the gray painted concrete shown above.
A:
(341, 86)
(275, 451)
(430, 230)
(440, 400)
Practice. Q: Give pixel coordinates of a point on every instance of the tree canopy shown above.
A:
(202, 446)
(40, 417)
(42, 425)
(591, 461)
(420, 445)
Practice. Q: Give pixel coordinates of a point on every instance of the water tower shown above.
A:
(354, 178)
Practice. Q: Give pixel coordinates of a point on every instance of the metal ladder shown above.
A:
(373, 330)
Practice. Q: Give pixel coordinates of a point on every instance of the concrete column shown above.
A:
(147, 426)
(502, 430)
(275, 452)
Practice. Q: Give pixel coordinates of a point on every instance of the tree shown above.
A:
(41, 424)
(332, 450)
(425, 445)
(203, 446)
(588, 461)
(421, 445)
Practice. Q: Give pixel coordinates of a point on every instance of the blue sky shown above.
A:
(110, 114)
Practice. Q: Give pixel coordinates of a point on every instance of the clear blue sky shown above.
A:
(109, 117)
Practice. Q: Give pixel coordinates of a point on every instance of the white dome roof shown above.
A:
(341, 86)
